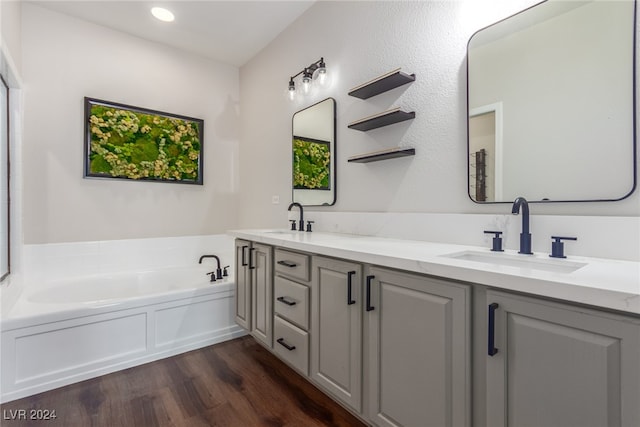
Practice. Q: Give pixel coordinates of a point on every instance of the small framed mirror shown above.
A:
(314, 154)
(551, 104)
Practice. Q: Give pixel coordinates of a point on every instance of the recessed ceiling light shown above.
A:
(162, 14)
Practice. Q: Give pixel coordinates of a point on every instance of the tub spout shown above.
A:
(218, 270)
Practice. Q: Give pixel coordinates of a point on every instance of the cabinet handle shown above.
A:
(251, 266)
(286, 301)
(285, 345)
(350, 300)
(369, 306)
(287, 263)
(244, 256)
(492, 350)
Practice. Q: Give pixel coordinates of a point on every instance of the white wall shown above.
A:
(65, 59)
(360, 40)
(10, 20)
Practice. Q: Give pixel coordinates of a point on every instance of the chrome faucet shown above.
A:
(301, 228)
(218, 270)
(521, 204)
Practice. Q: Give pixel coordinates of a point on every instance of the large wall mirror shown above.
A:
(314, 154)
(551, 103)
(4, 180)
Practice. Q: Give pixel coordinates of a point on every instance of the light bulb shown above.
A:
(292, 89)
(322, 75)
(306, 84)
(322, 72)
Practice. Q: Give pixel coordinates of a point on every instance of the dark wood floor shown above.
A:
(235, 383)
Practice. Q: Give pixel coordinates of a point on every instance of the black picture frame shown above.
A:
(131, 143)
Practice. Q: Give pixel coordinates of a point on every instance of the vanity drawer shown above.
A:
(291, 344)
(291, 301)
(292, 264)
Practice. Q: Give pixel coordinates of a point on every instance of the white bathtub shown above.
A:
(96, 290)
(64, 331)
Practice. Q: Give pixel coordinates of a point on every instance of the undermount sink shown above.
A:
(281, 232)
(520, 261)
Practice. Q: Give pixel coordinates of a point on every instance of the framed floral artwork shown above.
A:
(138, 144)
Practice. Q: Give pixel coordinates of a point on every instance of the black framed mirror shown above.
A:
(551, 104)
(314, 154)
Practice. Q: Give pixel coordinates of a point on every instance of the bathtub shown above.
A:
(67, 330)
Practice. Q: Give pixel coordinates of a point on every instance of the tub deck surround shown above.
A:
(603, 283)
(60, 299)
(45, 262)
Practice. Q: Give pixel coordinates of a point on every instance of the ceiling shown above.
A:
(228, 31)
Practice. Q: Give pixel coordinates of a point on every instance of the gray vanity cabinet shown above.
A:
(261, 266)
(560, 365)
(254, 287)
(418, 337)
(291, 306)
(336, 329)
(243, 284)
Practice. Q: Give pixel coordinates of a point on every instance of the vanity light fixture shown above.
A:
(318, 68)
(162, 14)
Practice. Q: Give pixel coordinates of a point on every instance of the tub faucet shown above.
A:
(301, 228)
(218, 270)
(521, 204)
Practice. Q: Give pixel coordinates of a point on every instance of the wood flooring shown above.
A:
(235, 383)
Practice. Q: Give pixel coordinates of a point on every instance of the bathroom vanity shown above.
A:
(407, 333)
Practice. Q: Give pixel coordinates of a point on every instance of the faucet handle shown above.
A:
(557, 246)
(497, 240)
(213, 276)
(225, 273)
(293, 224)
(309, 225)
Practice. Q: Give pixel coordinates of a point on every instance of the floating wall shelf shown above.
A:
(382, 155)
(388, 81)
(391, 80)
(382, 119)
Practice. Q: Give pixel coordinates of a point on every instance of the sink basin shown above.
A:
(281, 232)
(527, 262)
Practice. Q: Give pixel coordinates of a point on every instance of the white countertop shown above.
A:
(604, 283)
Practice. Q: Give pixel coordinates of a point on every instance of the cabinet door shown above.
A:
(261, 271)
(418, 350)
(243, 284)
(336, 329)
(559, 365)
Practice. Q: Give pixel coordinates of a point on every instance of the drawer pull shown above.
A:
(492, 350)
(285, 345)
(369, 306)
(287, 263)
(251, 266)
(350, 275)
(244, 255)
(287, 301)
